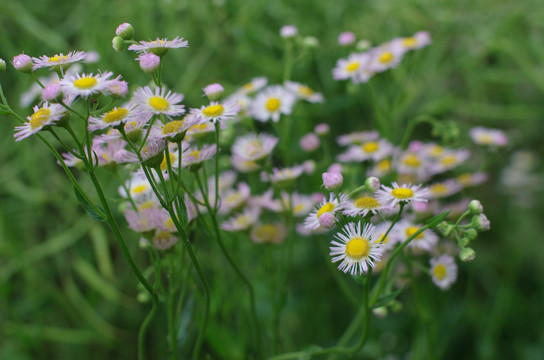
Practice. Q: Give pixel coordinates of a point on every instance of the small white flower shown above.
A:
(46, 115)
(85, 85)
(332, 205)
(271, 103)
(158, 102)
(216, 111)
(443, 271)
(403, 193)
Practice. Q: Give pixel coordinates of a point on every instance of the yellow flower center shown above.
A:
(298, 208)
(195, 154)
(248, 87)
(139, 189)
(384, 165)
(357, 248)
(305, 90)
(386, 57)
(234, 198)
(402, 193)
(439, 271)
(352, 66)
(409, 42)
(86, 82)
(328, 207)
(146, 205)
(439, 189)
(371, 147)
(158, 103)
(383, 239)
(39, 118)
(57, 59)
(213, 110)
(199, 127)
(411, 230)
(273, 104)
(243, 220)
(366, 203)
(485, 139)
(115, 115)
(437, 150)
(254, 147)
(448, 160)
(267, 232)
(465, 179)
(164, 163)
(172, 127)
(169, 224)
(411, 160)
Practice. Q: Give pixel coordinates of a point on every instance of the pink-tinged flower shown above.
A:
(46, 115)
(106, 151)
(143, 220)
(387, 242)
(125, 30)
(286, 175)
(268, 233)
(164, 240)
(425, 241)
(288, 31)
(332, 205)
(418, 41)
(59, 60)
(480, 222)
(411, 163)
(322, 129)
(444, 188)
(175, 130)
(356, 67)
(443, 271)
(309, 167)
(385, 57)
(327, 220)
(213, 91)
(357, 138)
(234, 199)
(159, 46)
(304, 92)
(449, 159)
(151, 154)
(346, 38)
(309, 142)
(332, 180)
(117, 87)
(243, 165)
(243, 221)
(254, 147)
(335, 168)
(356, 249)
(271, 103)
(472, 179)
(488, 137)
(370, 150)
(361, 206)
(149, 62)
(404, 193)
(216, 111)
(23, 63)
(255, 84)
(158, 102)
(372, 184)
(192, 157)
(85, 85)
(52, 92)
(114, 117)
(381, 168)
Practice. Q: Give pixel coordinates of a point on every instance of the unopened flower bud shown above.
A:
(22, 63)
(288, 31)
(309, 142)
(213, 91)
(327, 220)
(118, 44)
(118, 88)
(380, 312)
(322, 129)
(2, 65)
(346, 38)
(125, 30)
(445, 228)
(332, 180)
(363, 45)
(143, 297)
(372, 184)
(464, 241)
(471, 234)
(467, 254)
(475, 207)
(149, 62)
(480, 222)
(310, 42)
(52, 92)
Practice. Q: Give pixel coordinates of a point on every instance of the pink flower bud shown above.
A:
(335, 168)
(327, 220)
(308, 166)
(149, 62)
(332, 180)
(322, 129)
(346, 38)
(309, 142)
(118, 88)
(51, 92)
(372, 184)
(288, 31)
(23, 63)
(125, 30)
(213, 91)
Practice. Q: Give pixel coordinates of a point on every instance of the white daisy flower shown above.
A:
(138, 188)
(411, 163)
(254, 147)
(114, 117)
(385, 57)
(175, 130)
(425, 241)
(243, 221)
(443, 271)
(58, 60)
(243, 165)
(357, 249)
(361, 206)
(357, 138)
(85, 85)
(404, 193)
(381, 168)
(200, 131)
(418, 41)
(216, 111)
(158, 102)
(450, 159)
(225, 181)
(444, 188)
(159, 46)
(195, 157)
(233, 199)
(46, 115)
(370, 150)
(387, 242)
(285, 175)
(355, 67)
(271, 103)
(254, 85)
(332, 206)
(302, 91)
(488, 137)
(268, 233)
(164, 240)
(472, 179)
(152, 154)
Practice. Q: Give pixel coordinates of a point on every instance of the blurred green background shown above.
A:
(66, 290)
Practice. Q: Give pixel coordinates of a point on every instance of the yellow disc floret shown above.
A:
(39, 118)
(353, 66)
(57, 59)
(366, 203)
(328, 207)
(172, 127)
(115, 115)
(411, 230)
(267, 232)
(371, 147)
(439, 271)
(85, 83)
(402, 193)
(357, 248)
(213, 110)
(386, 57)
(409, 42)
(273, 104)
(158, 103)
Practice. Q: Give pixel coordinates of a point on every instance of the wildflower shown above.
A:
(361, 206)
(271, 103)
(46, 115)
(164, 240)
(23, 63)
(411, 163)
(425, 240)
(143, 220)
(117, 87)
(443, 271)
(357, 249)
(255, 84)
(288, 31)
(159, 46)
(332, 205)
(444, 188)
(475, 207)
(216, 111)
(52, 92)
(193, 158)
(243, 165)
(286, 176)
(327, 220)
(234, 199)
(175, 130)
(387, 242)
(151, 154)
(357, 138)
(200, 131)
(114, 117)
(268, 233)
(346, 38)
(467, 254)
(372, 184)
(254, 147)
(125, 30)
(385, 57)
(480, 222)
(158, 102)
(332, 180)
(243, 221)
(381, 168)
(85, 85)
(488, 137)
(138, 188)
(58, 61)
(309, 142)
(355, 67)
(403, 193)
(149, 62)
(302, 91)
(449, 160)
(472, 179)
(370, 150)
(213, 91)
(418, 41)
(322, 129)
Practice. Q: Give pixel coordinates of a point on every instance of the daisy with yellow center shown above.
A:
(355, 67)
(443, 271)
(158, 102)
(194, 157)
(361, 206)
(164, 240)
(254, 85)
(271, 103)
(444, 188)
(387, 242)
(385, 57)
(254, 147)
(448, 160)
(268, 233)
(302, 91)
(216, 111)
(243, 221)
(401, 193)
(369, 150)
(58, 61)
(425, 241)
(114, 117)
(326, 206)
(159, 47)
(488, 137)
(46, 115)
(356, 249)
(417, 41)
(85, 85)
(175, 130)
(233, 199)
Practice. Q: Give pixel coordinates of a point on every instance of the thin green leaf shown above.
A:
(434, 221)
(385, 299)
(89, 207)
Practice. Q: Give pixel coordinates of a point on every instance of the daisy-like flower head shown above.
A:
(243, 221)
(255, 84)
(412, 163)
(254, 147)
(213, 91)
(404, 193)
(226, 180)
(331, 205)
(175, 130)
(356, 67)
(444, 188)
(271, 103)
(268, 233)
(158, 102)
(361, 206)
(357, 138)
(381, 168)
(143, 220)
(450, 159)
(285, 176)
(233, 199)
(114, 117)
(243, 165)
(356, 248)
(425, 241)
(369, 150)
(387, 242)
(443, 271)
(138, 188)
(418, 41)
(488, 137)
(58, 61)
(469, 179)
(385, 57)
(85, 85)
(106, 151)
(159, 46)
(46, 115)
(164, 240)
(152, 154)
(193, 158)
(216, 111)
(302, 91)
